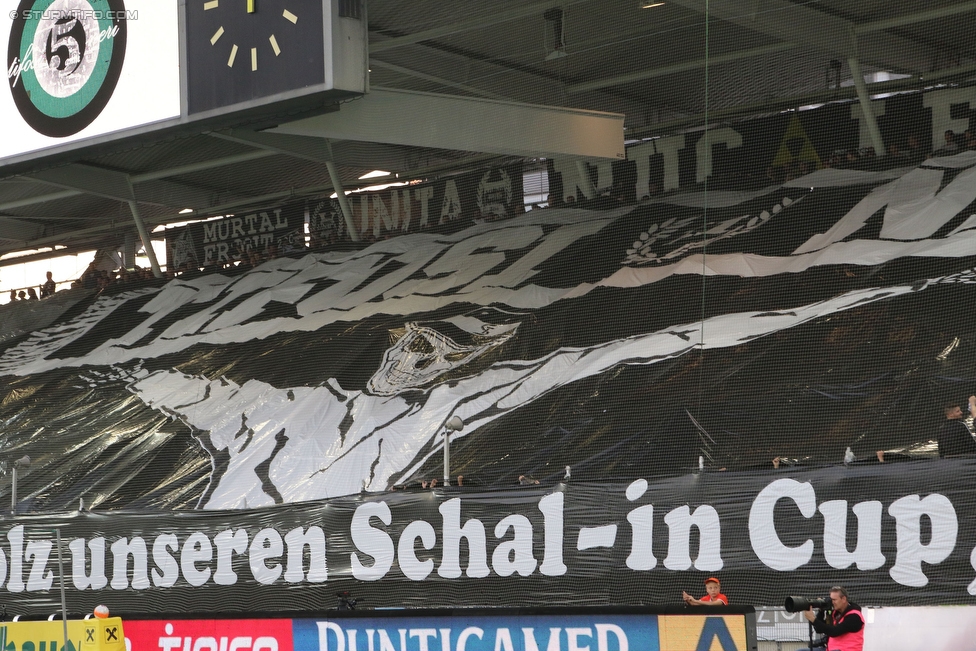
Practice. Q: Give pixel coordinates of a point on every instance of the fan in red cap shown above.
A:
(714, 596)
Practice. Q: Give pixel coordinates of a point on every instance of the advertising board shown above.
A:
(475, 630)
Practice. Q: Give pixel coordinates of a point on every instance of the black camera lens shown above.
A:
(799, 604)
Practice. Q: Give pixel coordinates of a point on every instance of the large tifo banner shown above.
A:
(239, 437)
(745, 152)
(466, 630)
(904, 538)
(449, 203)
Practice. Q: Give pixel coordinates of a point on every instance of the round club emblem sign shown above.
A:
(64, 59)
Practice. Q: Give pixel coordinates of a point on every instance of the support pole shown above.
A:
(341, 195)
(64, 602)
(129, 250)
(144, 236)
(866, 110)
(586, 183)
(447, 457)
(13, 491)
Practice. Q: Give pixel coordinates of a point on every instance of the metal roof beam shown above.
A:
(495, 18)
(799, 24)
(684, 66)
(135, 178)
(916, 17)
(865, 28)
(19, 230)
(447, 122)
(310, 149)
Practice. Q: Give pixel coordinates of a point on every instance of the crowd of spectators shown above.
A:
(47, 288)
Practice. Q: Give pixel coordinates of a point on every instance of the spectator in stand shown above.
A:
(950, 146)
(895, 152)
(954, 437)
(31, 294)
(22, 295)
(13, 295)
(915, 151)
(49, 286)
(714, 596)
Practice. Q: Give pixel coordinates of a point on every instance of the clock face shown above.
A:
(64, 58)
(245, 50)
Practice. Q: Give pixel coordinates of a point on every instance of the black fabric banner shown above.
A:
(227, 239)
(445, 204)
(891, 538)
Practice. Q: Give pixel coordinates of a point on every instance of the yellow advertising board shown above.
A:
(83, 635)
(702, 633)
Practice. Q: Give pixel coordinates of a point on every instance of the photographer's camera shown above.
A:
(799, 604)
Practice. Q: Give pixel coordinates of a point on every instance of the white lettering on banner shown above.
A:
(514, 555)
(240, 643)
(122, 549)
(940, 103)
(641, 522)
(81, 579)
(227, 543)
(223, 239)
(867, 552)
(473, 532)
(165, 561)
(762, 529)
(908, 511)
(197, 548)
(412, 568)
(16, 538)
(680, 521)
(370, 541)
(273, 556)
(703, 149)
(911, 553)
(296, 541)
(38, 552)
(266, 546)
(333, 637)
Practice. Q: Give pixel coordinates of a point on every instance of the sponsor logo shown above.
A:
(210, 635)
(64, 58)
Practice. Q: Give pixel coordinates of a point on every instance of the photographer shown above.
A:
(843, 624)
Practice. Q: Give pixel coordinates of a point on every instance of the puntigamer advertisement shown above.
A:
(79, 69)
(470, 631)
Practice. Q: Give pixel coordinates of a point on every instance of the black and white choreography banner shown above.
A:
(762, 532)
(560, 338)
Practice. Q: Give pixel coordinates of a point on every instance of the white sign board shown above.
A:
(79, 69)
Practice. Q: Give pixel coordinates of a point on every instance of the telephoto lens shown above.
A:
(797, 604)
